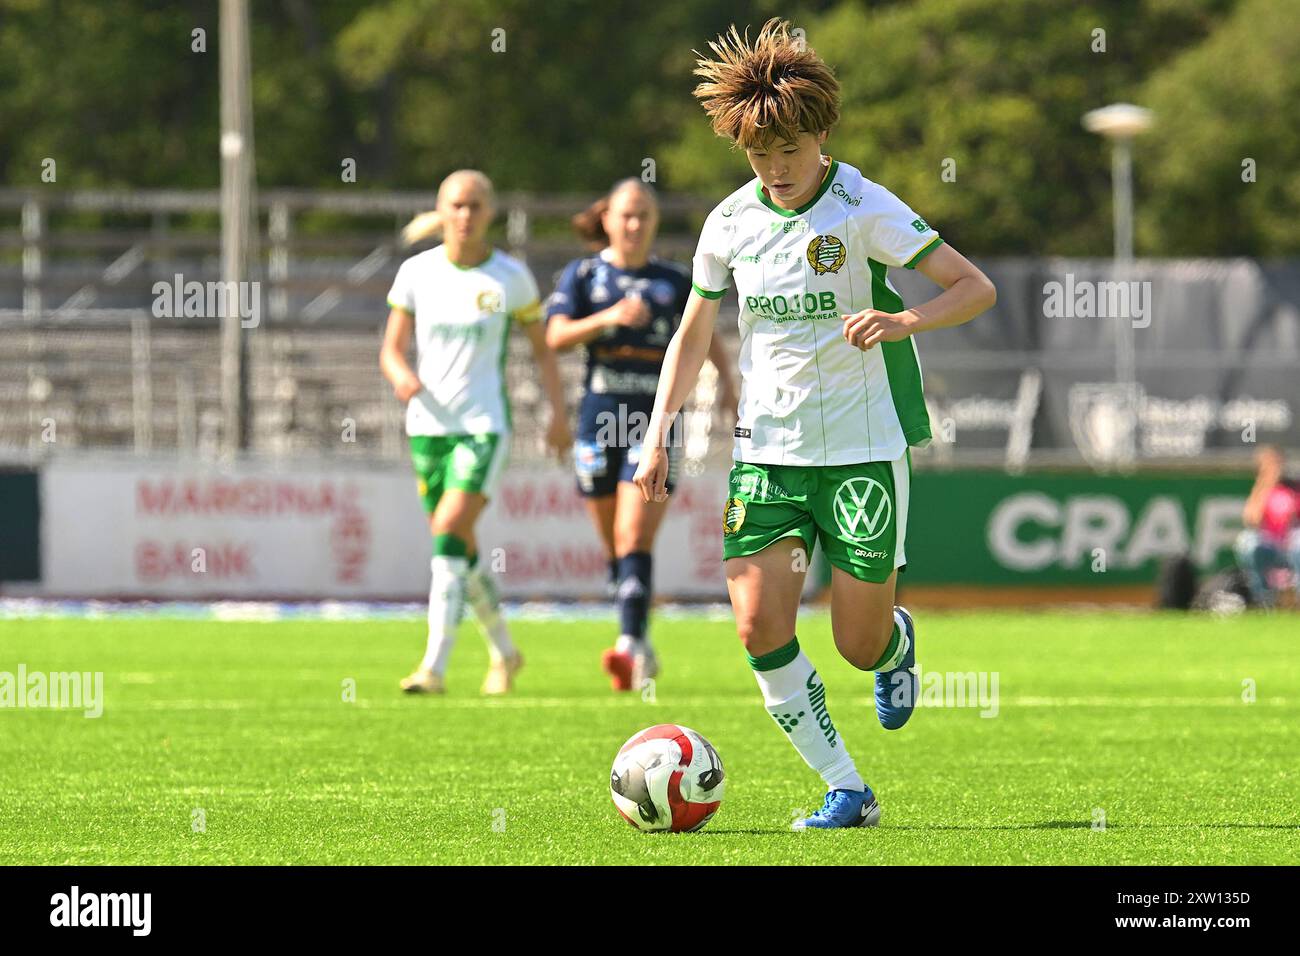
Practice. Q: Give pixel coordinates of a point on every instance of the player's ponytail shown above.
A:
(587, 224)
(427, 225)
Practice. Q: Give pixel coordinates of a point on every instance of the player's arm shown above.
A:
(392, 355)
(564, 331)
(1253, 512)
(558, 436)
(728, 398)
(683, 360)
(967, 293)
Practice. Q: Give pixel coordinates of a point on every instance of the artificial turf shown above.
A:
(232, 742)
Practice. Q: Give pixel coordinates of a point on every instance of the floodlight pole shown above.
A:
(1122, 195)
(236, 214)
(1119, 123)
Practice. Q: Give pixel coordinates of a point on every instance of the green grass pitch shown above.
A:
(1137, 716)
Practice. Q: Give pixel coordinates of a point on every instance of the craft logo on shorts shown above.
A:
(826, 254)
(862, 509)
(733, 515)
(489, 300)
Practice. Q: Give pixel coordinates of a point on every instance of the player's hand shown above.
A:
(406, 388)
(630, 311)
(864, 329)
(558, 438)
(652, 473)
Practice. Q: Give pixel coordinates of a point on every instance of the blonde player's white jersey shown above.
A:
(462, 325)
(808, 397)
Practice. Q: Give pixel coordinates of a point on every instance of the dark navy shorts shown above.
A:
(599, 468)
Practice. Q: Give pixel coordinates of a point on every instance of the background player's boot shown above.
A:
(423, 682)
(645, 666)
(500, 677)
(897, 690)
(618, 665)
(843, 808)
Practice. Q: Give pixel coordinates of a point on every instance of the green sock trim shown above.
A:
(890, 650)
(777, 658)
(449, 545)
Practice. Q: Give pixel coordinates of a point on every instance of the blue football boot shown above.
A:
(898, 690)
(843, 808)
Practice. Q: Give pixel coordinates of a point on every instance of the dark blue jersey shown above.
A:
(623, 363)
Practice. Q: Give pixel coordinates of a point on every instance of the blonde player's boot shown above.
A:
(423, 681)
(500, 677)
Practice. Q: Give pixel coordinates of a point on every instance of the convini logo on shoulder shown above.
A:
(103, 909)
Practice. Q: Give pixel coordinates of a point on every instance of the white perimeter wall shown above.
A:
(130, 528)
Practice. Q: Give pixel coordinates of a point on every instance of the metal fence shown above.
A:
(86, 363)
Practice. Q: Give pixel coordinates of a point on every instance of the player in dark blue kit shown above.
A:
(623, 305)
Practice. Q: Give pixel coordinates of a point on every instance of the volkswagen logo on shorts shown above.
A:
(862, 509)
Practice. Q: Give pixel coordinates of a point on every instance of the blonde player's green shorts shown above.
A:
(857, 512)
(471, 463)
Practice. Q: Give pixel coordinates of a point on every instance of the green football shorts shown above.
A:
(858, 512)
(468, 462)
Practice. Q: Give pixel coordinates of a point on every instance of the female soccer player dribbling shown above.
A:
(459, 300)
(623, 305)
(830, 391)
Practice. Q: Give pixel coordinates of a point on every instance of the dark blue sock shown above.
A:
(634, 593)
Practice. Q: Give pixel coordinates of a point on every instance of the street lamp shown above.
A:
(1120, 123)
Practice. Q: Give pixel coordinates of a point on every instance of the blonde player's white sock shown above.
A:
(446, 603)
(796, 699)
(481, 593)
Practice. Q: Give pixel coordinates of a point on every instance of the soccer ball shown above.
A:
(667, 778)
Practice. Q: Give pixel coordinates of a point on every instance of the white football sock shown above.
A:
(481, 593)
(904, 642)
(446, 602)
(796, 698)
(627, 644)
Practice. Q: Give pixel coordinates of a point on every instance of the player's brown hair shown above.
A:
(588, 226)
(766, 91)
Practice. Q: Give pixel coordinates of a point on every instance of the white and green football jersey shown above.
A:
(462, 324)
(808, 397)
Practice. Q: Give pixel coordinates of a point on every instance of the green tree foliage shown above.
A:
(585, 92)
(1232, 98)
(992, 91)
(110, 91)
(563, 96)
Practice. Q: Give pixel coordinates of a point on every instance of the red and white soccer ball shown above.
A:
(667, 778)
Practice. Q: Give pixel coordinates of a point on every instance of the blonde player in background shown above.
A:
(459, 300)
(831, 392)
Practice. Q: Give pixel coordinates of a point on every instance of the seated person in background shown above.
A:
(1271, 538)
